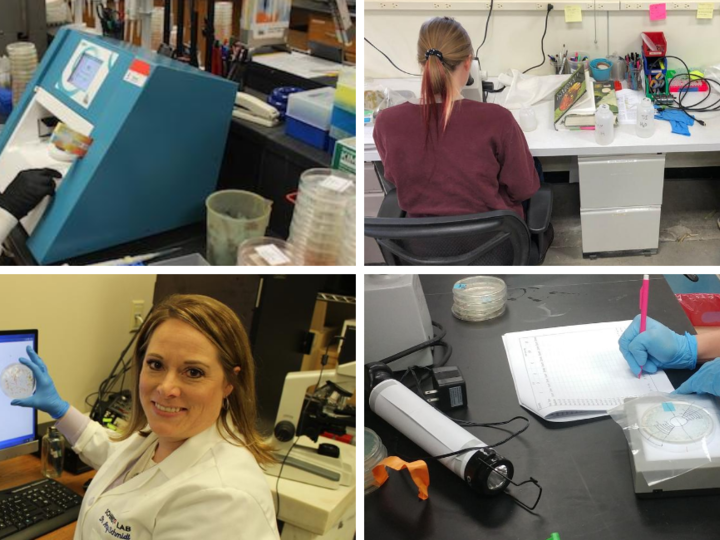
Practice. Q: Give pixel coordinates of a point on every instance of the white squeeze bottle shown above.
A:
(604, 125)
(645, 125)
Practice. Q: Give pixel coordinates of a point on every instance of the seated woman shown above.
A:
(447, 155)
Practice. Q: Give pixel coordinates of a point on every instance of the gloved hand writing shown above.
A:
(657, 348)
(705, 381)
(45, 397)
(27, 190)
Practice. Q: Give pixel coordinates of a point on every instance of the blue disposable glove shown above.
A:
(45, 397)
(679, 121)
(705, 381)
(657, 348)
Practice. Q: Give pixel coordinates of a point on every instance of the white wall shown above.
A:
(514, 37)
(83, 324)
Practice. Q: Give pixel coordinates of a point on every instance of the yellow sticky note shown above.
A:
(574, 14)
(705, 10)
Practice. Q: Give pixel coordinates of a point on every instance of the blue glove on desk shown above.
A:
(705, 381)
(45, 397)
(678, 120)
(657, 348)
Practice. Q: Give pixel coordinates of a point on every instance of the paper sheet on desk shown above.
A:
(627, 106)
(302, 65)
(575, 372)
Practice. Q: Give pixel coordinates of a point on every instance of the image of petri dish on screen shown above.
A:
(17, 381)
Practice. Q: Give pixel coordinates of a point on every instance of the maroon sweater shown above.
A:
(480, 163)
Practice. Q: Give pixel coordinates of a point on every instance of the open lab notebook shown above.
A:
(575, 372)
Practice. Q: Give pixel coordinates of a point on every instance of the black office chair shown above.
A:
(498, 238)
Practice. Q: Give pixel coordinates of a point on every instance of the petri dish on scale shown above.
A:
(676, 422)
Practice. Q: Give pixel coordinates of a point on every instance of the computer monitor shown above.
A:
(18, 425)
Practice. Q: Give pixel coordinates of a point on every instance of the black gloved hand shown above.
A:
(27, 190)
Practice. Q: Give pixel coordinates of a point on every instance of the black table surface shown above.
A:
(583, 467)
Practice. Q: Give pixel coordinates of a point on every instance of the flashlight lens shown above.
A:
(495, 481)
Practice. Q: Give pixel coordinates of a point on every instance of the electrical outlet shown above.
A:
(436, 6)
(676, 6)
(686, 6)
(599, 7)
(628, 6)
(138, 310)
(498, 6)
(638, 6)
(487, 6)
(395, 6)
(540, 6)
(448, 6)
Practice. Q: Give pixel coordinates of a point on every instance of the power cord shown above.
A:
(487, 23)
(542, 40)
(388, 59)
(684, 91)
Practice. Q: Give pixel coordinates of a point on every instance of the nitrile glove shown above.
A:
(45, 397)
(705, 381)
(657, 348)
(679, 121)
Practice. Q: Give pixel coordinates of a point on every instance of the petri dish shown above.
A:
(17, 381)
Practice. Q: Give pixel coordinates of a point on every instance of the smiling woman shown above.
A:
(187, 465)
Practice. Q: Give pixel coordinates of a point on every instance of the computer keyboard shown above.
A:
(37, 508)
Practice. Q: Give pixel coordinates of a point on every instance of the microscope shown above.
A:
(304, 416)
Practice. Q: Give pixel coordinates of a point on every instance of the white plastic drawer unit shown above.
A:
(621, 181)
(620, 229)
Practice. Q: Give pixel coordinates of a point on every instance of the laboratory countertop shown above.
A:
(583, 467)
(545, 141)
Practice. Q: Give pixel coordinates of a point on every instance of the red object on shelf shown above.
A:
(658, 38)
(347, 438)
(701, 308)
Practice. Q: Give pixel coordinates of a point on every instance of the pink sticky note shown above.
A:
(657, 12)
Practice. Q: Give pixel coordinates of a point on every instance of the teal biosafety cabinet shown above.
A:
(159, 129)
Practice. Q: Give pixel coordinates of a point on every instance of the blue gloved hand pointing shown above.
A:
(657, 348)
(46, 397)
(705, 381)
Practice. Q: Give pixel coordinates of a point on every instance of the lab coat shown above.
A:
(206, 489)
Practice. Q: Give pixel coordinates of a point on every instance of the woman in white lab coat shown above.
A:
(187, 466)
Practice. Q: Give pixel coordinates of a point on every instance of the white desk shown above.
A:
(315, 513)
(632, 222)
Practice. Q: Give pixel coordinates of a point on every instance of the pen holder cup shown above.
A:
(601, 69)
(573, 65)
(634, 78)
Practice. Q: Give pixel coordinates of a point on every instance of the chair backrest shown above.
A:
(500, 237)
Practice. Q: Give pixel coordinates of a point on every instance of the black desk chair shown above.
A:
(498, 238)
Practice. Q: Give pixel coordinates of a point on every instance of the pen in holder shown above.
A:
(634, 77)
(574, 62)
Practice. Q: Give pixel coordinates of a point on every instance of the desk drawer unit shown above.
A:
(621, 181)
(620, 229)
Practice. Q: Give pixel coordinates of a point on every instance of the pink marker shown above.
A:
(644, 294)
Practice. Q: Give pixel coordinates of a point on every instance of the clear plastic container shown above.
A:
(234, 216)
(313, 107)
(479, 298)
(375, 452)
(266, 251)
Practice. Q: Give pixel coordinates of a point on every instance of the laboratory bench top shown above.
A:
(583, 466)
(546, 141)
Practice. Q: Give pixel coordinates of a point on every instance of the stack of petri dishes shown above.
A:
(57, 13)
(223, 21)
(347, 255)
(318, 224)
(266, 251)
(23, 62)
(479, 298)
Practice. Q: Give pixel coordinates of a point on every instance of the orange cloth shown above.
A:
(418, 472)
